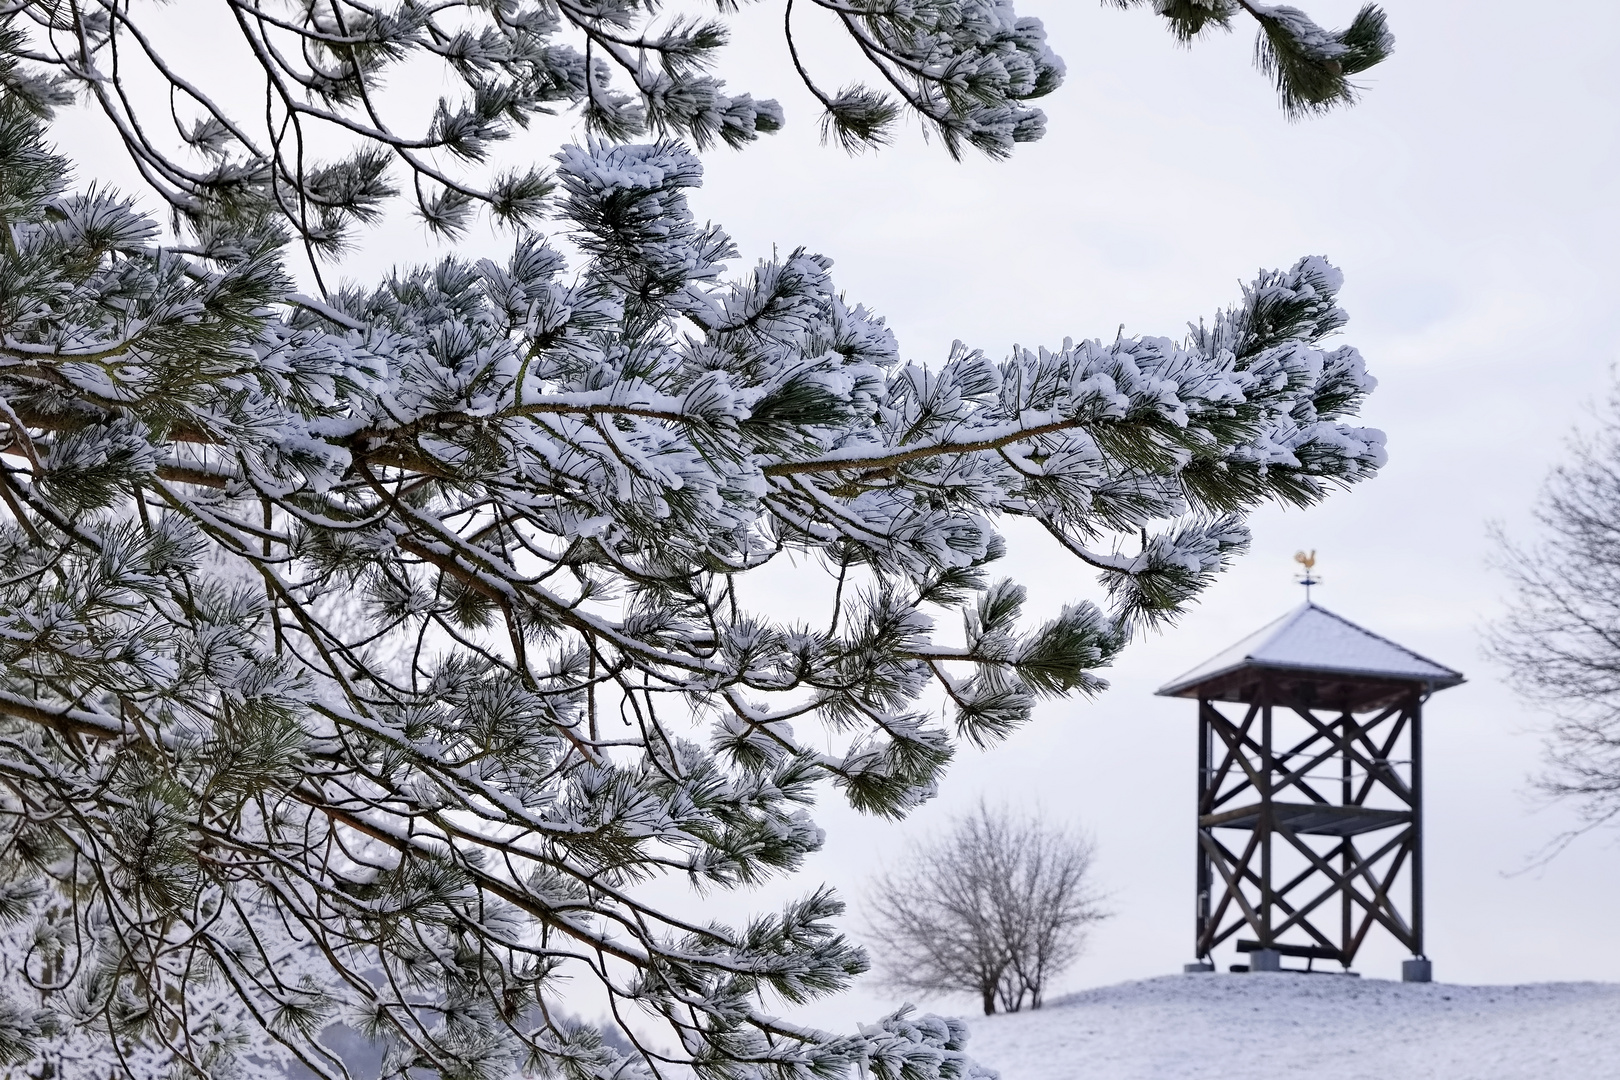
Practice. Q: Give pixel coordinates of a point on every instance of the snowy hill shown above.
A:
(1320, 1027)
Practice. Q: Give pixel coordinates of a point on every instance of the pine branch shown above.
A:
(375, 656)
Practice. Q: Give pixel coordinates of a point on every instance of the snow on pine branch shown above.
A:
(1310, 64)
(323, 140)
(537, 484)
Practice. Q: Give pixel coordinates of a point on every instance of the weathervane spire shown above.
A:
(1308, 578)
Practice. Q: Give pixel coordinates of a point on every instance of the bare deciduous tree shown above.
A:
(995, 907)
(1560, 638)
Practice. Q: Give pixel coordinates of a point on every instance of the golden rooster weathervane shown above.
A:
(1307, 579)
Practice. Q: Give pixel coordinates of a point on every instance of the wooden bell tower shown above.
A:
(1310, 793)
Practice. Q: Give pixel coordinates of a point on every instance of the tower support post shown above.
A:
(1417, 841)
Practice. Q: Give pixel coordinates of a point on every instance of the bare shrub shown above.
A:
(996, 907)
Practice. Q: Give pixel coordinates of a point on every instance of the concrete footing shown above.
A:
(1417, 969)
(1265, 960)
(1197, 969)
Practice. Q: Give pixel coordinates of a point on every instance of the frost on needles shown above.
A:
(540, 484)
(367, 658)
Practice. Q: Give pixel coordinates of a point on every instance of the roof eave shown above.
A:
(1431, 684)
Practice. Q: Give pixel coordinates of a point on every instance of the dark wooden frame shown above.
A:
(1310, 813)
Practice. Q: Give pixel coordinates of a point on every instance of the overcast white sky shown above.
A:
(1469, 200)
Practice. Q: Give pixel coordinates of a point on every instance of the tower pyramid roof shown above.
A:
(1313, 639)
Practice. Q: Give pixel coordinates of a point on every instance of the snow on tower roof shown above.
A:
(1311, 638)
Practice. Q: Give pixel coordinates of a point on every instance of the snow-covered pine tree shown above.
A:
(363, 657)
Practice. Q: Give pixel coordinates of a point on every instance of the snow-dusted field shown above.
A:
(1311, 1027)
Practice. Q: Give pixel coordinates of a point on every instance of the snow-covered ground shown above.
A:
(1310, 1027)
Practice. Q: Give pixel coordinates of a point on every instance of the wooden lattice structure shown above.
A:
(1310, 792)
